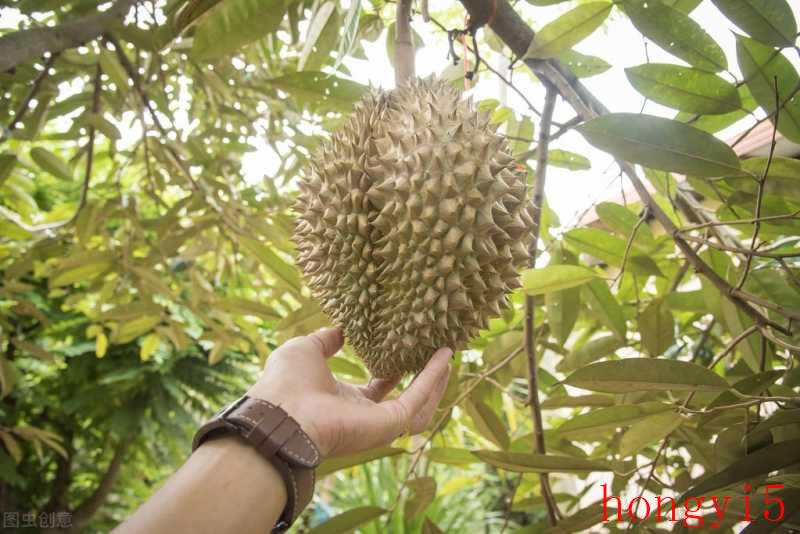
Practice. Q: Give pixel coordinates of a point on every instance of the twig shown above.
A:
(743, 251)
(732, 345)
(766, 118)
(629, 244)
(760, 195)
(25, 106)
(770, 218)
(530, 340)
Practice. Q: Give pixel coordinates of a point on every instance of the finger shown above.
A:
(324, 342)
(419, 391)
(378, 388)
(422, 418)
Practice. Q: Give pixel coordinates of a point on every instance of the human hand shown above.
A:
(344, 418)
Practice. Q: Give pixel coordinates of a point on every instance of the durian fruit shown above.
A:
(412, 224)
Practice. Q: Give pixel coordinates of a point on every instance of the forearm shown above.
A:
(224, 486)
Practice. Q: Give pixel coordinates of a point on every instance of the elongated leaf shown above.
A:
(82, 268)
(577, 401)
(351, 31)
(113, 69)
(657, 327)
(562, 307)
(778, 419)
(274, 263)
(331, 465)
(314, 31)
(130, 330)
(102, 124)
(568, 30)
(487, 423)
(611, 250)
(676, 33)
(683, 88)
(770, 21)
(661, 144)
(451, 456)
(520, 462)
(320, 92)
(242, 306)
(686, 6)
(605, 307)
(583, 66)
(761, 65)
(568, 160)
(7, 163)
(648, 430)
(555, 278)
(622, 221)
(349, 520)
(784, 508)
(424, 489)
(50, 163)
(592, 350)
(233, 24)
(645, 374)
(589, 424)
(757, 464)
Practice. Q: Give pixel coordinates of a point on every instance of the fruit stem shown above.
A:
(403, 45)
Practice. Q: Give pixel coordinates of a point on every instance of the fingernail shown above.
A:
(448, 351)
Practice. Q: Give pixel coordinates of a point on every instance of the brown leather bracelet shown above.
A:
(279, 439)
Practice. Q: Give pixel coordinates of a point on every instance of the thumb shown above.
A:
(326, 341)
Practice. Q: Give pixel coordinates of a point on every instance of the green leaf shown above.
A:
(645, 374)
(451, 456)
(102, 124)
(274, 263)
(149, 346)
(232, 24)
(587, 426)
(778, 419)
(568, 160)
(583, 66)
(761, 65)
(648, 430)
(320, 92)
(592, 350)
(657, 327)
(521, 462)
(686, 6)
(683, 88)
(562, 307)
(686, 301)
(577, 401)
(50, 163)
(351, 31)
(7, 163)
(783, 179)
(555, 278)
(331, 465)
(568, 30)
(325, 20)
(623, 221)
(661, 144)
(604, 307)
(243, 306)
(130, 330)
(424, 489)
(113, 69)
(83, 267)
(349, 520)
(758, 464)
(487, 423)
(770, 21)
(676, 33)
(611, 250)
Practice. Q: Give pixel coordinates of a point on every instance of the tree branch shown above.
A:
(84, 512)
(18, 47)
(530, 310)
